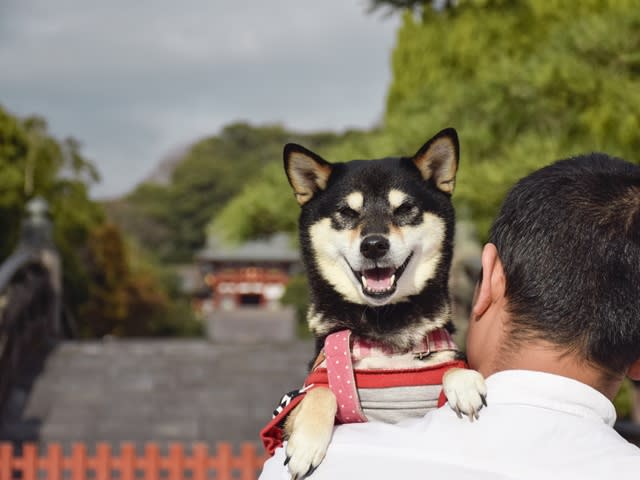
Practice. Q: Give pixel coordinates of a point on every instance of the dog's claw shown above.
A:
(287, 460)
(295, 476)
(465, 391)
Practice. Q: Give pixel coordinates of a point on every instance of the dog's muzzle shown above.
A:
(378, 282)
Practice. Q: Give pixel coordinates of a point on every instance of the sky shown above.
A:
(134, 81)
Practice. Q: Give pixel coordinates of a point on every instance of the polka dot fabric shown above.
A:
(341, 377)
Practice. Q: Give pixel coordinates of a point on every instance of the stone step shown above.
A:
(154, 390)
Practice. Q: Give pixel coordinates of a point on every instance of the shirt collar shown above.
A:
(547, 390)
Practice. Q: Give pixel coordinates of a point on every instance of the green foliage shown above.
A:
(125, 297)
(266, 204)
(102, 290)
(263, 207)
(624, 400)
(297, 296)
(524, 83)
(145, 215)
(35, 164)
(172, 218)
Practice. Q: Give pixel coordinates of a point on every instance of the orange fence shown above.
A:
(198, 465)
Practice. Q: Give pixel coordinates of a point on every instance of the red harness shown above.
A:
(334, 369)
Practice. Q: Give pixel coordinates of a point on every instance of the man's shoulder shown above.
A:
(621, 464)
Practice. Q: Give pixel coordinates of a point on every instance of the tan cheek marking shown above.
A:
(354, 235)
(393, 230)
(396, 197)
(355, 200)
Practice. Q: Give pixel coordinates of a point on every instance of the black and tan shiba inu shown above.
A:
(377, 240)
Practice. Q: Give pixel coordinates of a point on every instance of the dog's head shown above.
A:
(377, 231)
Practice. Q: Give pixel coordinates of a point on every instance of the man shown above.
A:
(555, 328)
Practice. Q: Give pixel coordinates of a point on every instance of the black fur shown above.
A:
(389, 323)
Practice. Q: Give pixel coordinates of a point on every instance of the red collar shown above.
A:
(340, 351)
(435, 341)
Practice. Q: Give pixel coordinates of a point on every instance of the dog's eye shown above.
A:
(404, 209)
(348, 212)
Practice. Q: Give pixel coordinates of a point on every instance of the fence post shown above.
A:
(152, 462)
(30, 461)
(200, 458)
(176, 461)
(127, 461)
(78, 461)
(54, 462)
(224, 461)
(103, 461)
(6, 461)
(249, 461)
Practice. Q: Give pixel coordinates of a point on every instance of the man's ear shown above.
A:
(438, 159)
(492, 285)
(308, 173)
(634, 371)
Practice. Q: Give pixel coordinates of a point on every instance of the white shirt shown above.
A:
(537, 426)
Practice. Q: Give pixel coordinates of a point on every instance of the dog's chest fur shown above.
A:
(377, 240)
(406, 361)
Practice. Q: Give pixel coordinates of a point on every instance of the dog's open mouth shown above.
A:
(380, 282)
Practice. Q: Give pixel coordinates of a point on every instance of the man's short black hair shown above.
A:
(568, 236)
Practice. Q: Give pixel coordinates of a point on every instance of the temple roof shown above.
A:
(275, 248)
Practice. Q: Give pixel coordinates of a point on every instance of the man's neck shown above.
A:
(546, 357)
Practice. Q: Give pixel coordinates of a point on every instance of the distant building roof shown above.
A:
(275, 248)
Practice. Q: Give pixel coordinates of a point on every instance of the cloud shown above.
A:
(132, 80)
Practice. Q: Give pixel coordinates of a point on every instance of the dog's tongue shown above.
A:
(379, 278)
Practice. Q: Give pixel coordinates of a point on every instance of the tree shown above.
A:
(125, 298)
(417, 6)
(524, 82)
(33, 163)
(101, 289)
(172, 218)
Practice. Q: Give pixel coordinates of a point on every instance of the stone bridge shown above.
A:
(151, 390)
(55, 389)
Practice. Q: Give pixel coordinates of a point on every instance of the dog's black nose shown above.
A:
(374, 246)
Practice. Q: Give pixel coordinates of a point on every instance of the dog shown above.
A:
(377, 241)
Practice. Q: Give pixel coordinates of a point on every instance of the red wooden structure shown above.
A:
(247, 286)
(199, 464)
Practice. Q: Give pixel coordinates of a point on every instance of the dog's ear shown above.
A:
(437, 160)
(308, 173)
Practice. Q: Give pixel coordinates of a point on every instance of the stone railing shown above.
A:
(30, 295)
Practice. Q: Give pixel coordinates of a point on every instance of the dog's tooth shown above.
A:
(364, 281)
(393, 279)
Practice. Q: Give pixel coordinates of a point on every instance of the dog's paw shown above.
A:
(306, 448)
(309, 428)
(465, 390)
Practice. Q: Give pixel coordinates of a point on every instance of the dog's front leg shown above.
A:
(465, 390)
(309, 428)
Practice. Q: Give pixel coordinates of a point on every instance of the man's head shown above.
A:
(565, 251)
